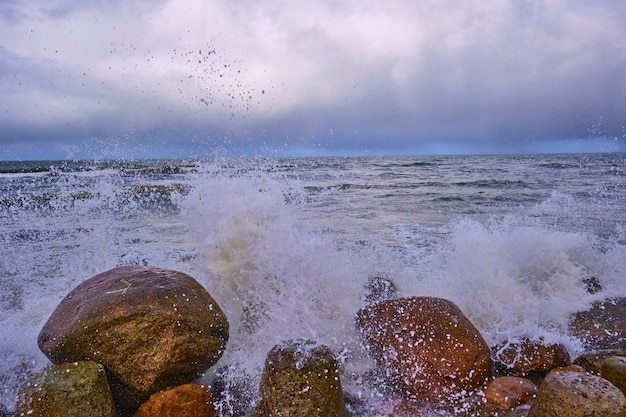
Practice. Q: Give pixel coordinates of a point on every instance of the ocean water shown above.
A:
(286, 246)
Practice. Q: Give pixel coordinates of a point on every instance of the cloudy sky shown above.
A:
(195, 78)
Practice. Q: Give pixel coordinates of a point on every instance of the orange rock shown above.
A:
(428, 349)
(189, 400)
(510, 391)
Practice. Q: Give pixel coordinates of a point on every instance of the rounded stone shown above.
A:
(300, 379)
(509, 391)
(150, 328)
(188, 400)
(529, 358)
(428, 349)
(575, 394)
(76, 389)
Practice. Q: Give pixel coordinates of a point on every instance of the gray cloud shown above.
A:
(351, 76)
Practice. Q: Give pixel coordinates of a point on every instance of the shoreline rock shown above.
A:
(426, 346)
(150, 328)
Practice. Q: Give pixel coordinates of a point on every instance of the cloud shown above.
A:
(346, 74)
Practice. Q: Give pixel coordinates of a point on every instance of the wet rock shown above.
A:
(614, 370)
(150, 328)
(76, 389)
(592, 284)
(300, 378)
(528, 358)
(509, 391)
(188, 400)
(379, 288)
(574, 394)
(603, 326)
(426, 346)
(592, 360)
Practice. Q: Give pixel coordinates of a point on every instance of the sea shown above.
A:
(286, 246)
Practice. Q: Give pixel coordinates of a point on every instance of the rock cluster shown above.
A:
(149, 328)
(133, 341)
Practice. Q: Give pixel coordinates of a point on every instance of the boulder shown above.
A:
(575, 394)
(509, 391)
(614, 370)
(150, 328)
(300, 378)
(76, 389)
(188, 400)
(428, 349)
(528, 358)
(593, 359)
(603, 326)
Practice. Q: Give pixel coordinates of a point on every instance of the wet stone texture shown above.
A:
(528, 358)
(603, 326)
(426, 347)
(575, 394)
(76, 389)
(188, 400)
(300, 379)
(150, 328)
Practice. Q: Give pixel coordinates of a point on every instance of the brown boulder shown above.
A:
(189, 400)
(300, 378)
(76, 389)
(529, 358)
(614, 370)
(592, 360)
(575, 394)
(150, 328)
(426, 346)
(509, 391)
(603, 326)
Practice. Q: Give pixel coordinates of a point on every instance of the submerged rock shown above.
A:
(575, 394)
(150, 328)
(188, 400)
(603, 326)
(76, 389)
(427, 347)
(300, 379)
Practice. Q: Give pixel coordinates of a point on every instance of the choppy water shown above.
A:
(285, 246)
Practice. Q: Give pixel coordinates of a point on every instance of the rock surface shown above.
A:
(529, 358)
(614, 370)
(150, 328)
(300, 379)
(426, 346)
(509, 391)
(603, 326)
(574, 394)
(593, 359)
(76, 389)
(188, 400)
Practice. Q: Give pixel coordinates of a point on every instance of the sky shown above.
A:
(82, 79)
